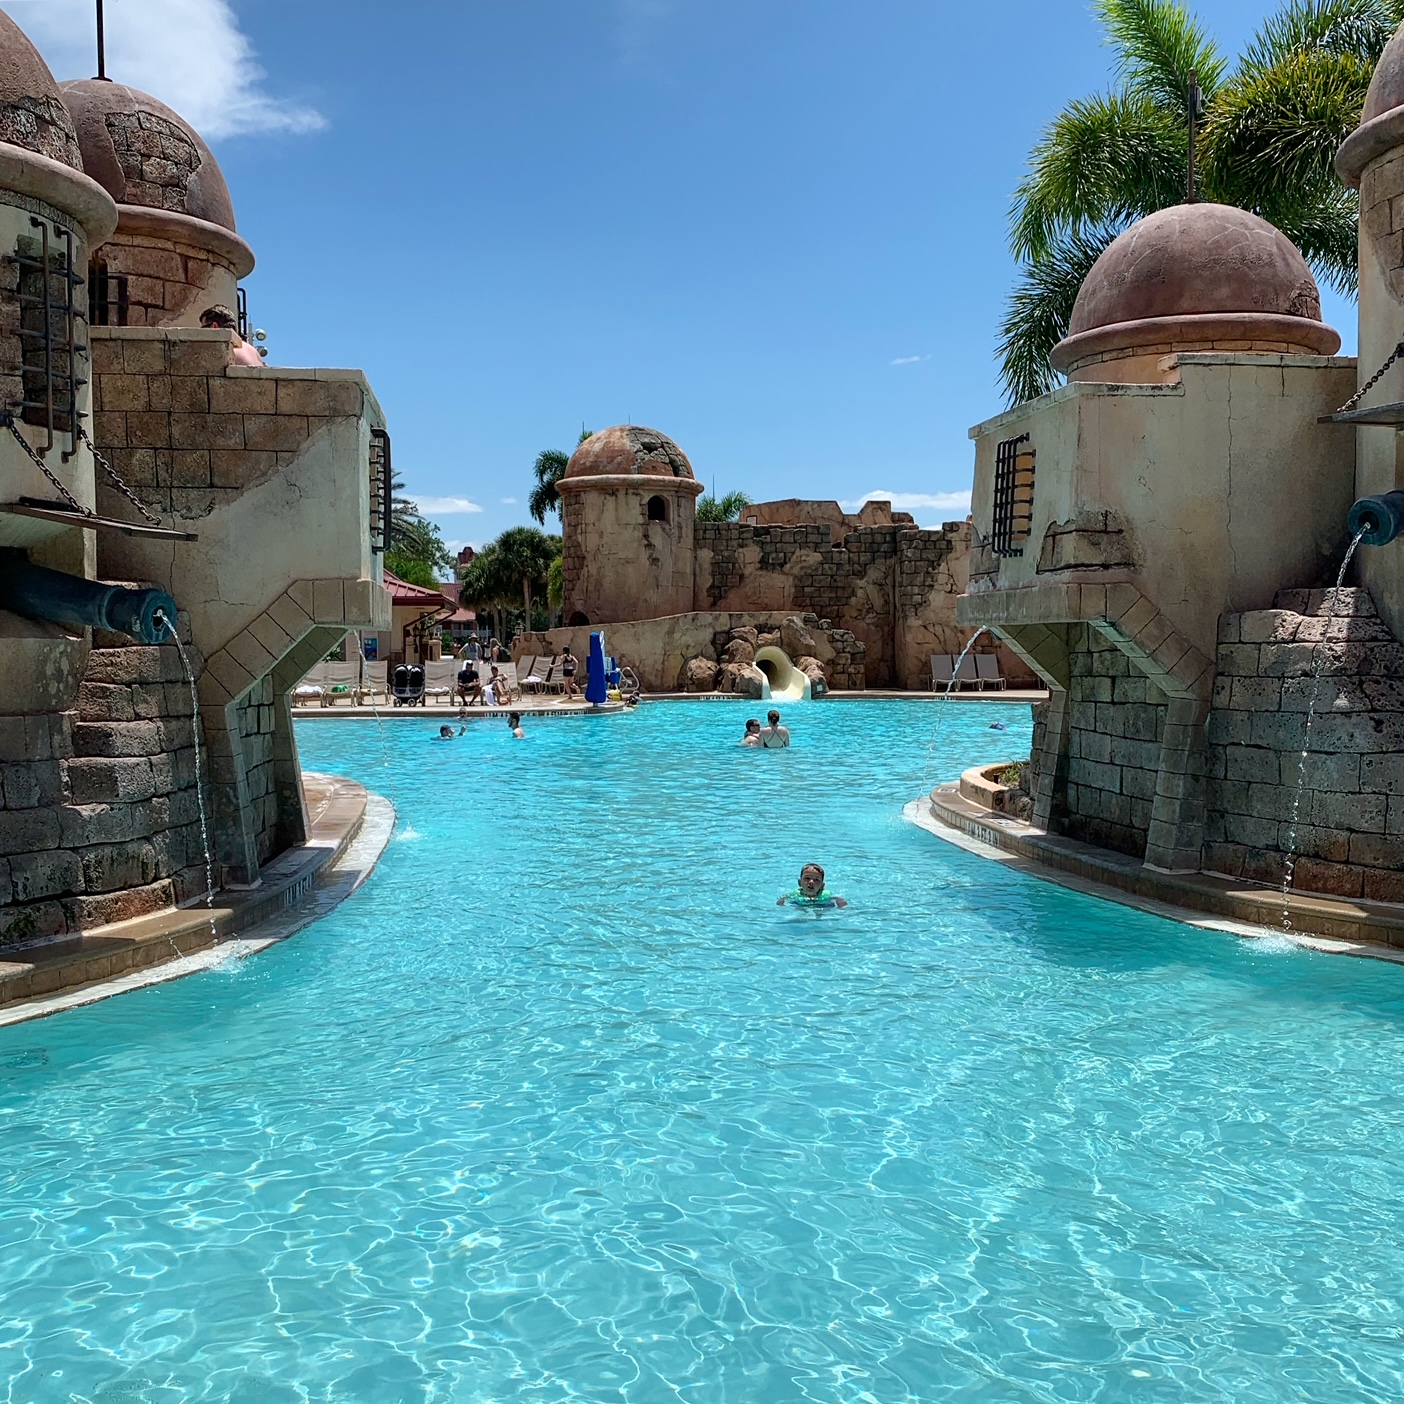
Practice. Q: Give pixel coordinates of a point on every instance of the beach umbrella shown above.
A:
(596, 687)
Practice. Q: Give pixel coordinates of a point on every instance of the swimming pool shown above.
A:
(560, 1106)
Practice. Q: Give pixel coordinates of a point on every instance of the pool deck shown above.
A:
(555, 707)
(1328, 924)
(349, 830)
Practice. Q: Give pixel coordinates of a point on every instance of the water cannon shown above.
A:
(147, 615)
(1377, 520)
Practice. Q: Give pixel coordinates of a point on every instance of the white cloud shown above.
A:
(189, 53)
(443, 506)
(907, 360)
(915, 501)
(509, 501)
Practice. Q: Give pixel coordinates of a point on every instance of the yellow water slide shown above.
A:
(783, 681)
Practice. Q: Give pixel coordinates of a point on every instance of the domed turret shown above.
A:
(49, 207)
(169, 191)
(628, 511)
(32, 114)
(630, 450)
(1194, 277)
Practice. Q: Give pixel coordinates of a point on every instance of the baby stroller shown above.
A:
(407, 685)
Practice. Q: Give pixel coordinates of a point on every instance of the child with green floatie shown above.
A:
(811, 891)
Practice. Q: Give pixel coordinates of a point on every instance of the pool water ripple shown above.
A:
(561, 1107)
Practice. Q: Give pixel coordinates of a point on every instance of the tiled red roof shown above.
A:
(407, 596)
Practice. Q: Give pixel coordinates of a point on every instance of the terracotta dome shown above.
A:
(1199, 276)
(629, 450)
(144, 154)
(1382, 119)
(32, 112)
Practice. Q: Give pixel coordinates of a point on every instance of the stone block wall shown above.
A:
(1331, 648)
(894, 587)
(164, 276)
(1116, 720)
(188, 432)
(99, 820)
(256, 743)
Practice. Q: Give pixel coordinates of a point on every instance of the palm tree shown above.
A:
(487, 585)
(417, 552)
(721, 509)
(526, 555)
(1270, 131)
(548, 470)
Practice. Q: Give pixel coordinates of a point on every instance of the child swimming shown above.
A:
(811, 891)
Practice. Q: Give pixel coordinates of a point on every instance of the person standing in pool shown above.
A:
(514, 723)
(811, 891)
(775, 737)
(753, 733)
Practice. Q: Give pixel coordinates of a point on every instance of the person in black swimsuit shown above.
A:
(568, 672)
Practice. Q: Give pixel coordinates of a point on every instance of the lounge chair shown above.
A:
(968, 676)
(305, 694)
(524, 667)
(441, 679)
(941, 668)
(987, 667)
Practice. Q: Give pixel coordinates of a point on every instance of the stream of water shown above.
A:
(199, 779)
(1318, 658)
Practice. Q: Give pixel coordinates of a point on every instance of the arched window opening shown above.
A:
(657, 509)
(579, 620)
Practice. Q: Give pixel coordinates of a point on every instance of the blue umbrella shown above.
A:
(596, 688)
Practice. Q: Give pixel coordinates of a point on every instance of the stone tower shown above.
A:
(628, 508)
(175, 251)
(1372, 160)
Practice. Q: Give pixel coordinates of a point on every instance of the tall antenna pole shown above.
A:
(101, 46)
(1196, 107)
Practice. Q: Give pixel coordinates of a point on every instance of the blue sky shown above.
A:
(773, 229)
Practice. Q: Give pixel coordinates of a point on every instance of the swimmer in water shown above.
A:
(811, 891)
(514, 723)
(446, 733)
(752, 736)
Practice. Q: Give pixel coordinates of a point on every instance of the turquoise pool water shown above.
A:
(560, 1106)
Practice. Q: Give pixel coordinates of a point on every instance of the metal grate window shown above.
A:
(48, 332)
(1013, 496)
(381, 489)
(108, 304)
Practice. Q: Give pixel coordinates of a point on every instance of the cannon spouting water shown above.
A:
(69, 600)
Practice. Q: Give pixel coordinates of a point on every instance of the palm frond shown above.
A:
(1158, 45)
(1327, 235)
(1109, 158)
(1271, 135)
(1039, 308)
(1349, 28)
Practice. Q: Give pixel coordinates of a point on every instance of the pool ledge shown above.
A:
(350, 827)
(1372, 929)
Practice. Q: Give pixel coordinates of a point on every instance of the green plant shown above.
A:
(721, 509)
(1267, 143)
(548, 470)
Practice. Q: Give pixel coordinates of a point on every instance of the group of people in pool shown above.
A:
(770, 738)
(514, 725)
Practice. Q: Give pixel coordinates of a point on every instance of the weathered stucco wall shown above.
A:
(1208, 494)
(618, 563)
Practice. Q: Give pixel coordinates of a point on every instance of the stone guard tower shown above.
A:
(628, 505)
(1372, 159)
(1181, 475)
(175, 251)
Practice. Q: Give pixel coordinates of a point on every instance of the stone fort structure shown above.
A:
(147, 482)
(880, 592)
(1155, 539)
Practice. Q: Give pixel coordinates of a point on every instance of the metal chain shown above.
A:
(9, 423)
(1374, 380)
(117, 482)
